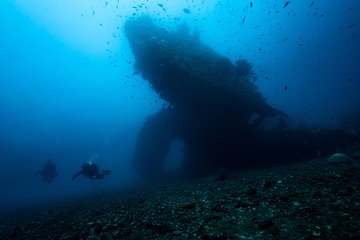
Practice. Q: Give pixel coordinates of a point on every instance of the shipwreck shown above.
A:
(214, 107)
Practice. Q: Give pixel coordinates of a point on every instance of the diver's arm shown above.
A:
(76, 175)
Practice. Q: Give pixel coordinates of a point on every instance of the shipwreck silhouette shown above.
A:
(214, 108)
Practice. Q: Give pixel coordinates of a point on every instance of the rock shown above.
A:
(251, 191)
(177, 232)
(339, 158)
(189, 205)
(264, 224)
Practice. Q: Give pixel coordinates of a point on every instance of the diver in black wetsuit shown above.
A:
(48, 172)
(92, 171)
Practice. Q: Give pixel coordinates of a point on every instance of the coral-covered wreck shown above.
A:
(214, 106)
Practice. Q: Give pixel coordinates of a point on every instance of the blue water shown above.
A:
(68, 88)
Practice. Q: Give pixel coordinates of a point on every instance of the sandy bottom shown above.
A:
(309, 200)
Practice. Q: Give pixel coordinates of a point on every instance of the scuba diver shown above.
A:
(92, 171)
(48, 172)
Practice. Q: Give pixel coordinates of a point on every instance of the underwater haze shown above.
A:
(69, 90)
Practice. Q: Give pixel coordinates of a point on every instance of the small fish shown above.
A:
(251, 4)
(311, 4)
(243, 20)
(286, 4)
(186, 10)
(162, 6)
(285, 88)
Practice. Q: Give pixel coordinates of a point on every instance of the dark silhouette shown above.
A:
(210, 100)
(92, 171)
(48, 172)
(214, 108)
